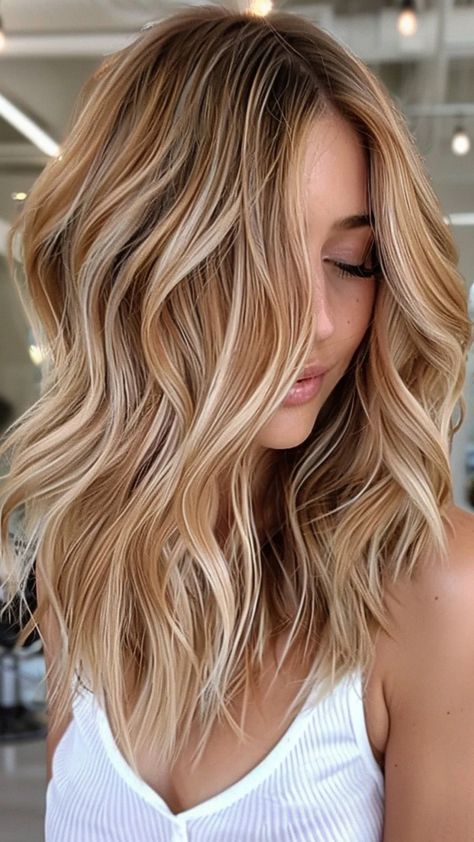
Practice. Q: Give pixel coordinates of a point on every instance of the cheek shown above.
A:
(358, 311)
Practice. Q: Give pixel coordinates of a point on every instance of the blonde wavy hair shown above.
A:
(157, 250)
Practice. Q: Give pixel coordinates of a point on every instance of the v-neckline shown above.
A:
(222, 799)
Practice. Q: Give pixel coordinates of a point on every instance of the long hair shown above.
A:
(157, 252)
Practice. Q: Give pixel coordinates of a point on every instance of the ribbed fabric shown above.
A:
(320, 783)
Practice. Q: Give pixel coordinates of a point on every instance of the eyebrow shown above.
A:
(356, 221)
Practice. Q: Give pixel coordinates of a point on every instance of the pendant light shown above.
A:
(407, 22)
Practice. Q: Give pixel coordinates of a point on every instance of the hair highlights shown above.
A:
(157, 251)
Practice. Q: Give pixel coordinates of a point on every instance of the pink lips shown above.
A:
(312, 371)
(303, 390)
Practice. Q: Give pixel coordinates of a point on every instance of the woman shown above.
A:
(255, 594)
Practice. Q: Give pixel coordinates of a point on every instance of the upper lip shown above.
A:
(312, 371)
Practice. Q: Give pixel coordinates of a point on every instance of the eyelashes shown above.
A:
(360, 271)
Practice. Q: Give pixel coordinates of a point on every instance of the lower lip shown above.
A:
(303, 391)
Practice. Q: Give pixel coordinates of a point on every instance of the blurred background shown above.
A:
(424, 53)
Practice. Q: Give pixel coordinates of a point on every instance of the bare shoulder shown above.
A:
(434, 606)
(426, 669)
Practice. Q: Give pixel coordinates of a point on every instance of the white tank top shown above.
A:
(320, 783)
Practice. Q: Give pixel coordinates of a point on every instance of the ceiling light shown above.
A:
(461, 218)
(460, 141)
(27, 127)
(471, 301)
(407, 22)
(260, 7)
(35, 354)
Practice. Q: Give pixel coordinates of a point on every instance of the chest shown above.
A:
(226, 760)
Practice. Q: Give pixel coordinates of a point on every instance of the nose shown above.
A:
(323, 315)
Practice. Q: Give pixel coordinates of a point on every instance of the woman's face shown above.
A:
(335, 175)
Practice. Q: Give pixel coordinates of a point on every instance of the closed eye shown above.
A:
(360, 271)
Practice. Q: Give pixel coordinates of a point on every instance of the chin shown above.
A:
(289, 427)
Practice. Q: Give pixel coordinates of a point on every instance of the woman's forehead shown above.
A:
(335, 176)
(334, 150)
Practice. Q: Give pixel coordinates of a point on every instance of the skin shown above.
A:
(335, 175)
(420, 700)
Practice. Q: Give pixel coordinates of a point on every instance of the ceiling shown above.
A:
(54, 45)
